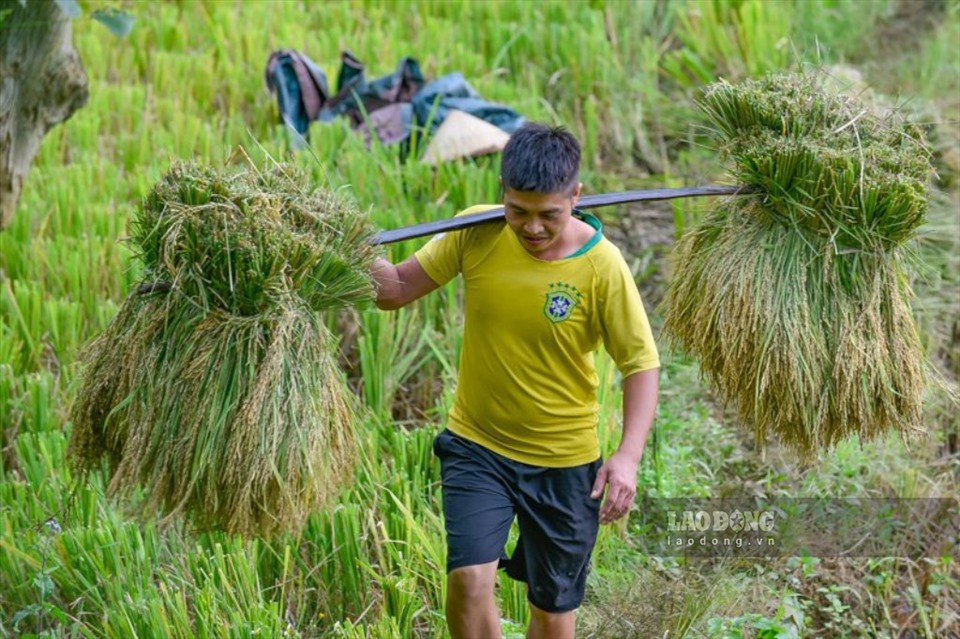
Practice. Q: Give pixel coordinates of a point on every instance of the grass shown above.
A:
(188, 85)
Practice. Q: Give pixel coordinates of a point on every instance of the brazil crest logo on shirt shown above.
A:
(562, 298)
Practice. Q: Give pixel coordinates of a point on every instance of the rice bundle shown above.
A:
(222, 397)
(795, 298)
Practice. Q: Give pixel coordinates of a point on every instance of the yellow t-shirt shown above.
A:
(527, 386)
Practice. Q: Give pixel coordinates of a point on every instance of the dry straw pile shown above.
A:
(221, 397)
(795, 299)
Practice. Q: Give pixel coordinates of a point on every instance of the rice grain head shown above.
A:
(221, 399)
(795, 299)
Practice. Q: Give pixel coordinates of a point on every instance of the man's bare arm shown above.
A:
(400, 284)
(619, 473)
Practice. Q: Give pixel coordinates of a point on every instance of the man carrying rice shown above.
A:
(541, 294)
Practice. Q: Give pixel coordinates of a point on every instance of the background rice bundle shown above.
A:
(795, 299)
(221, 397)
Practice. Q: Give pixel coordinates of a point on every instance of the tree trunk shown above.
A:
(42, 82)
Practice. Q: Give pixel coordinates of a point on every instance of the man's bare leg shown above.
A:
(471, 609)
(551, 625)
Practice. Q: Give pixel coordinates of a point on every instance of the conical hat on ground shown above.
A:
(463, 135)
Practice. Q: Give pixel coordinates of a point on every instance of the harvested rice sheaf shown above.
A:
(795, 298)
(221, 397)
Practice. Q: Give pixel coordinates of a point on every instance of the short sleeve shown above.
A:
(627, 335)
(442, 257)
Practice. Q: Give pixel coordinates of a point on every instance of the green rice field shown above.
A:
(188, 84)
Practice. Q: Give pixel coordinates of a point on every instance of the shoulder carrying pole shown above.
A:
(495, 215)
(586, 202)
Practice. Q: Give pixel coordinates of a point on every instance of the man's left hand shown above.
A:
(619, 474)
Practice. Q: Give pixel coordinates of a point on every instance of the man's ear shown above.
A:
(575, 196)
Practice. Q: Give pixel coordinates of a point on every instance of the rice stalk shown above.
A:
(107, 379)
(796, 299)
(222, 399)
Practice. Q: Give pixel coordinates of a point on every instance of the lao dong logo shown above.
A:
(721, 521)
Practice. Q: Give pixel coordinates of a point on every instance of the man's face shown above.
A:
(540, 219)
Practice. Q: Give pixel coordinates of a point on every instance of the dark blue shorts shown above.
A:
(558, 521)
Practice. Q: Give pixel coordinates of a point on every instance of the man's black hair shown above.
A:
(541, 159)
